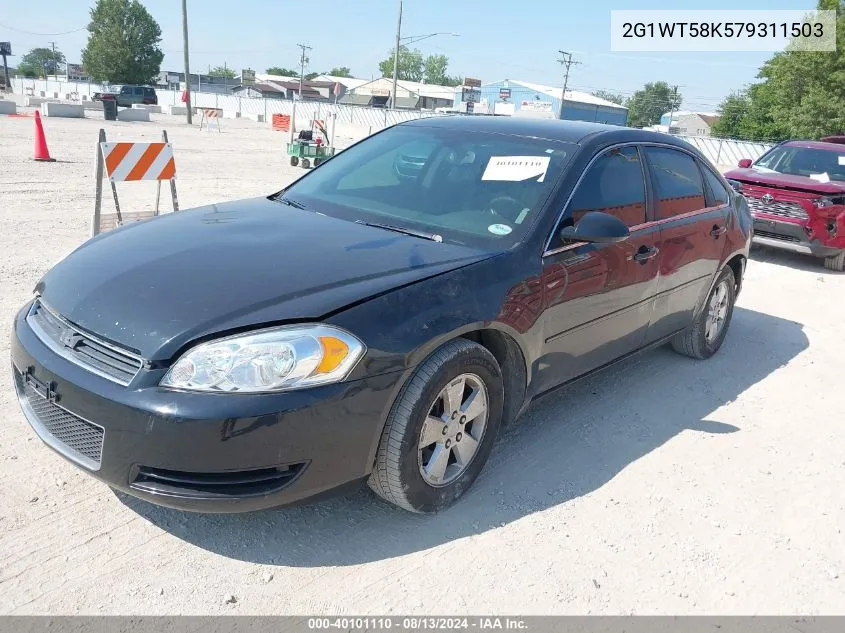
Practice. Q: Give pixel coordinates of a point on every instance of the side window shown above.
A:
(126, 90)
(677, 182)
(721, 197)
(139, 91)
(613, 184)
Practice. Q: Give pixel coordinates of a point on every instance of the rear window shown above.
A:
(468, 187)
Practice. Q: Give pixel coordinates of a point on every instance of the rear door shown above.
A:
(598, 297)
(692, 218)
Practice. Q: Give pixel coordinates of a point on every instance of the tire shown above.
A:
(294, 161)
(401, 458)
(317, 162)
(306, 163)
(693, 341)
(835, 262)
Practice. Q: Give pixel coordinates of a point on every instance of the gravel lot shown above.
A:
(663, 486)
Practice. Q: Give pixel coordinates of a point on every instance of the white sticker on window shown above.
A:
(521, 216)
(820, 177)
(516, 168)
(499, 229)
(842, 160)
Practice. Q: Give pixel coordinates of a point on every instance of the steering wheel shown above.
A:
(506, 208)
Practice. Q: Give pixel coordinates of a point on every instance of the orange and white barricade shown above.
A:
(131, 162)
(209, 115)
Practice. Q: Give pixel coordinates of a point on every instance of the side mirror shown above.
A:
(736, 185)
(745, 163)
(597, 227)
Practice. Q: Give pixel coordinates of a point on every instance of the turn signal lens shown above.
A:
(334, 351)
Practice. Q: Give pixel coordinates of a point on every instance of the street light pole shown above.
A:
(396, 57)
(187, 65)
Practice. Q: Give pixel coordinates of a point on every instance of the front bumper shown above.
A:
(201, 452)
(790, 236)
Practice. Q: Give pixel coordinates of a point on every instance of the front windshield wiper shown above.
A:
(290, 202)
(401, 229)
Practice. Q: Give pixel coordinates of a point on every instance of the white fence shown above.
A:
(719, 151)
(722, 151)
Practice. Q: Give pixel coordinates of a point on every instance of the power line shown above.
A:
(11, 28)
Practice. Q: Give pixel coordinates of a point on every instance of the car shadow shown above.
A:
(797, 261)
(568, 444)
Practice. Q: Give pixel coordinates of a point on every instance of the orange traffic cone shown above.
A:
(41, 152)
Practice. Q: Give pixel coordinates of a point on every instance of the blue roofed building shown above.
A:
(522, 98)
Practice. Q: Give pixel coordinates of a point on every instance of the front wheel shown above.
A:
(294, 161)
(306, 163)
(707, 333)
(441, 429)
(835, 262)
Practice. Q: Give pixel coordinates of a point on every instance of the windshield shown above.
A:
(468, 187)
(820, 164)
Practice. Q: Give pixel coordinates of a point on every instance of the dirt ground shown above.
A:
(663, 486)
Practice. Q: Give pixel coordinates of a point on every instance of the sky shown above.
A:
(497, 39)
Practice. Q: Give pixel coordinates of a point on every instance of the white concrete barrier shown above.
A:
(34, 102)
(152, 109)
(8, 107)
(180, 110)
(92, 105)
(133, 114)
(64, 110)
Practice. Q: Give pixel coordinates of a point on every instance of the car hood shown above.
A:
(155, 286)
(785, 181)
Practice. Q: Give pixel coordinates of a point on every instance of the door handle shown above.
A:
(717, 231)
(645, 253)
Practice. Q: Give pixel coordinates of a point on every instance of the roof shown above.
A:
(424, 90)
(294, 85)
(709, 119)
(553, 129)
(573, 96)
(262, 87)
(678, 113)
(349, 82)
(352, 99)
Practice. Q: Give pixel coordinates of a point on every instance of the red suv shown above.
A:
(796, 193)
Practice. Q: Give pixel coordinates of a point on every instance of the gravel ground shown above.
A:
(662, 486)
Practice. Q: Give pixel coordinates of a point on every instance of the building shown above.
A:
(288, 89)
(342, 85)
(688, 123)
(410, 95)
(170, 80)
(522, 98)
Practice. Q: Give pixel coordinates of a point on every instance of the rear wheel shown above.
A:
(306, 163)
(294, 161)
(707, 332)
(317, 162)
(835, 262)
(441, 429)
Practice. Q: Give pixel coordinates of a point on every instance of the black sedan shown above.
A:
(372, 321)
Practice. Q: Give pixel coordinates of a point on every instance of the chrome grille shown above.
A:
(780, 208)
(80, 439)
(81, 348)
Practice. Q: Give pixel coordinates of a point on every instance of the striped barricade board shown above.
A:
(131, 162)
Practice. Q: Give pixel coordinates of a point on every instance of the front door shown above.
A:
(598, 297)
(691, 207)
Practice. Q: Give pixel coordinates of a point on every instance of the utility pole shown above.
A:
(672, 111)
(396, 58)
(566, 61)
(55, 65)
(302, 61)
(187, 65)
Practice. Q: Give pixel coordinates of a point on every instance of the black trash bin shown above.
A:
(110, 109)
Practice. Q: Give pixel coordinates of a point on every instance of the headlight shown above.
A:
(275, 359)
(823, 202)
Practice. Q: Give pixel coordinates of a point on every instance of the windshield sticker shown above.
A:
(820, 177)
(521, 216)
(842, 160)
(516, 168)
(499, 229)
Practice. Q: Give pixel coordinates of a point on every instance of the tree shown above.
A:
(607, 95)
(647, 106)
(282, 72)
(411, 65)
(342, 71)
(123, 43)
(222, 71)
(800, 94)
(40, 62)
(311, 76)
(732, 112)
